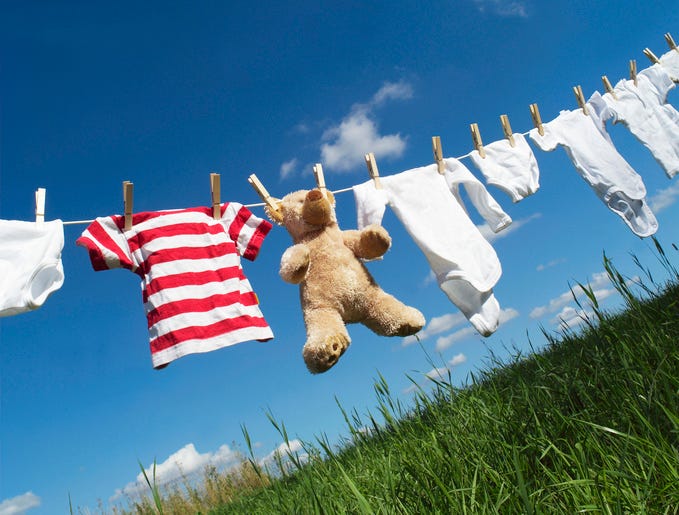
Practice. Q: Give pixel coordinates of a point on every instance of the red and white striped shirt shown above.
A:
(196, 296)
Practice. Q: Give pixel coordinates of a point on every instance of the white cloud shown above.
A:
(400, 90)
(443, 342)
(550, 264)
(282, 453)
(600, 285)
(20, 504)
(288, 168)
(503, 8)
(570, 318)
(458, 359)
(346, 144)
(430, 279)
(664, 198)
(491, 236)
(436, 325)
(183, 463)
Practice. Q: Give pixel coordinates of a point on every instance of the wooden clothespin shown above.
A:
(507, 129)
(261, 191)
(670, 42)
(320, 179)
(651, 56)
(476, 138)
(608, 87)
(215, 189)
(438, 153)
(537, 121)
(40, 207)
(128, 200)
(633, 70)
(372, 170)
(581, 98)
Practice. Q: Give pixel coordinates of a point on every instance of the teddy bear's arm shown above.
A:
(294, 263)
(368, 243)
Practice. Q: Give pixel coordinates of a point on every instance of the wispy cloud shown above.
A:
(440, 373)
(289, 168)
(345, 144)
(600, 285)
(550, 264)
(503, 8)
(183, 463)
(281, 454)
(443, 342)
(436, 325)
(20, 504)
(664, 198)
(491, 236)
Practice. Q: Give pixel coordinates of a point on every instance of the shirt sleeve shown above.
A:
(549, 140)
(107, 245)
(370, 204)
(660, 80)
(245, 229)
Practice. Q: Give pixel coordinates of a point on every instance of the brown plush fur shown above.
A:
(335, 286)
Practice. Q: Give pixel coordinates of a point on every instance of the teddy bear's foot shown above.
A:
(321, 356)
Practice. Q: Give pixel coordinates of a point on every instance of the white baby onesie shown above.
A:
(30, 264)
(512, 169)
(428, 204)
(596, 159)
(644, 110)
(670, 62)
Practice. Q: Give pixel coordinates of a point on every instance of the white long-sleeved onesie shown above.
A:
(431, 209)
(598, 162)
(644, 110)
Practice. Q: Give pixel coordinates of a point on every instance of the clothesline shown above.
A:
(261, 204)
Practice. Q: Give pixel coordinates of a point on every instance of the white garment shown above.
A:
(644, 110)
(670, 62)
(429, 206)
(596, 159)
(512, 169)
(30, 264)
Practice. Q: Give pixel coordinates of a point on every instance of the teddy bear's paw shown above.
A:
(412, 323)
(375, 241)
(321, 357)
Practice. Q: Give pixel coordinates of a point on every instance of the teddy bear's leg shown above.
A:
(327, 339)
(390, 317)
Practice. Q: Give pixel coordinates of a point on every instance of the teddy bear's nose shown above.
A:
(314, 195)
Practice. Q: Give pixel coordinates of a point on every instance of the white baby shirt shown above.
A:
(30, 264)
(512, 169)
(644, 110)
(429, 206)
(670, 62)
(613, 180)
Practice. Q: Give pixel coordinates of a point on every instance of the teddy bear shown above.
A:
(335, 286)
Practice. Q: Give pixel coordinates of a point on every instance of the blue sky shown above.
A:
(162, 94)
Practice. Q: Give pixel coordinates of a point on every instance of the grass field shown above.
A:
(590, 424)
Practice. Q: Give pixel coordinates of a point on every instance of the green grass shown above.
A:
(590, 424)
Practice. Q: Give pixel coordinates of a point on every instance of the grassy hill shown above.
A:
(588, 424)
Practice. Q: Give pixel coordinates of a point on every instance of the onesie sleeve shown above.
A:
(486, 205)
(370, 204)
(670, 62)
(106, 244)
(245, 229)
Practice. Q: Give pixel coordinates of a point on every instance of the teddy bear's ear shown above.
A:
(275, 215)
